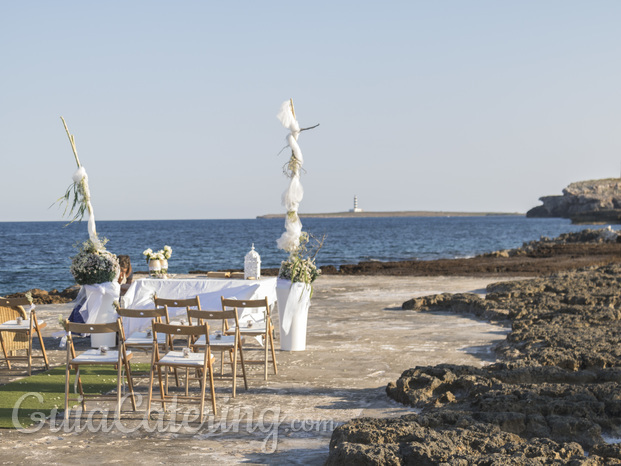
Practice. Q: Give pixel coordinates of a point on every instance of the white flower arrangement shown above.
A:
(162, 254)
(300, 266)
(94, 264)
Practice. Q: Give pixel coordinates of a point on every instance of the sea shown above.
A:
(38, 254)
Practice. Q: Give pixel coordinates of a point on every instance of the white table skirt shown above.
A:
(209, 290)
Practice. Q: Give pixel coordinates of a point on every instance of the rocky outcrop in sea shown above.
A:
(584, 201)
(555, 397)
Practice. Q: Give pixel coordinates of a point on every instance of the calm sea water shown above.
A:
(37, 254)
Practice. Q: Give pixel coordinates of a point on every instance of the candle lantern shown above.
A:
(252, 265)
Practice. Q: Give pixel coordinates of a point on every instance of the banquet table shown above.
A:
(209, 290)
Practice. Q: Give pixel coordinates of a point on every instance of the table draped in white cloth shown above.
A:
(209, 290)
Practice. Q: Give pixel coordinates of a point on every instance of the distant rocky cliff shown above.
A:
(593, 201)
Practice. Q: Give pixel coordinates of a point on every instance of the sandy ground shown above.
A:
(358, 341)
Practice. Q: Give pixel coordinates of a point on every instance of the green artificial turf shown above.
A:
(51, 386)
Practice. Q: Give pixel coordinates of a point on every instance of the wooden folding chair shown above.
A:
(16, 331)
(168, 303)
(142, 339)
(263, 329)
(94, 357)
(202, 362)
(219, 341)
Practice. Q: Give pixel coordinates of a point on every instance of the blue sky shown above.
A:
(436, 105)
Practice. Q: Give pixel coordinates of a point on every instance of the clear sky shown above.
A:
(478, 105)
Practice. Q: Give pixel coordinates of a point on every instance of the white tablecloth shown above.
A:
(209, 290)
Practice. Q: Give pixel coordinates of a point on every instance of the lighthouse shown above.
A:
(356, 208)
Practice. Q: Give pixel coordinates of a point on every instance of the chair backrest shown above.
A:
(156, 313)
(12, 302)
(187, 302)
(246, 303)
(180, 330)
(206, 316)
(108, 327)
(10, 308)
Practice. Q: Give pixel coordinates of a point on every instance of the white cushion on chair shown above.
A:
(257, 327)
(222, 341)
(95, 356)
(176, 357)
(13, 325)
(141, 338)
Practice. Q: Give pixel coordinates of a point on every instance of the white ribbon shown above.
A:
(98, 306)
(291, 198)
(293, 299)
(80, 177)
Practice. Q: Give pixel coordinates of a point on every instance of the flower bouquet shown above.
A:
(93, 265)
(300, 267)
(158, 261)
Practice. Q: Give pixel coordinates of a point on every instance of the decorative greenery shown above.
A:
(75, 201)
(92, 265)
(77, 197)
(301, 267)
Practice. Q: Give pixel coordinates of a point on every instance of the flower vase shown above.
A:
(164, 265)
(293, 304)
(155, 267)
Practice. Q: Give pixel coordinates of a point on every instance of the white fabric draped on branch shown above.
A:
(81, 179)
(291, 198)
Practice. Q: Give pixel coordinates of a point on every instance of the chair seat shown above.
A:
(14, 326)
(94, 356)
(258, 328)
(141, 338)
(175, 358)
(224, 341)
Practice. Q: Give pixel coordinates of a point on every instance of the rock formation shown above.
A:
(584, 201)
(554, 398)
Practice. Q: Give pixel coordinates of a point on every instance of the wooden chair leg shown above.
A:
(202, 408)
(243, 364)
(67, 376)
(266, 345)
(80, 388)
(273, 353)
(47, 363)
(130, 383)
(150, 391)
(234, 369)
(213, 389)
(6, 355)
(29, 353)
(159, 374)
(119, 384)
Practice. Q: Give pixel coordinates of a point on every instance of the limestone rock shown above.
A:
(555, 395)
(580, 198)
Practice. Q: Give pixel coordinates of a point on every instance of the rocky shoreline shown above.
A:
(569, 251)
(554, 398)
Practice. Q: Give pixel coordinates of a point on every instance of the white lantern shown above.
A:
(252, 265)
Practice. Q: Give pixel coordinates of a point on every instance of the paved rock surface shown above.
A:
(554, 399)
(359, 340)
